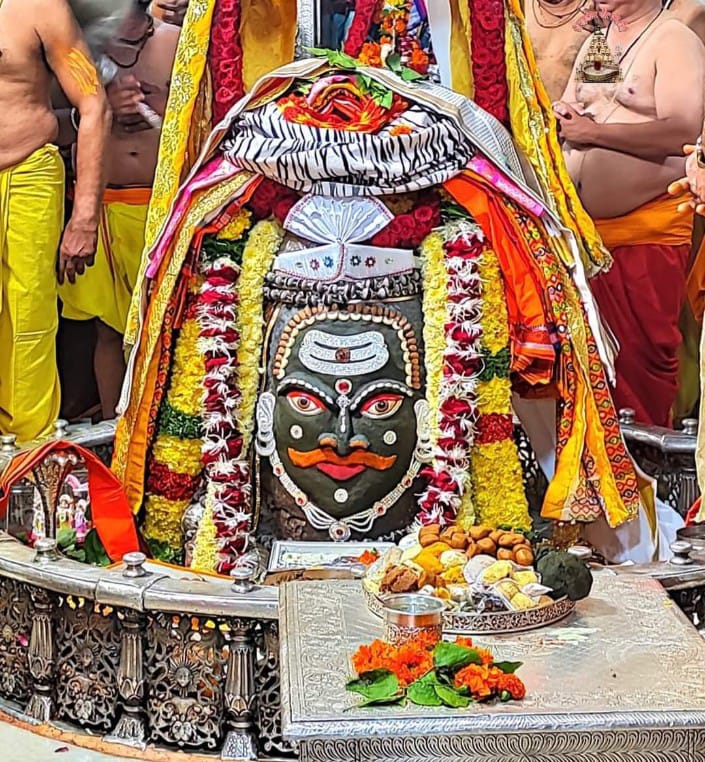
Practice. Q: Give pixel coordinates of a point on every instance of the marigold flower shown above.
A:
(513, 685)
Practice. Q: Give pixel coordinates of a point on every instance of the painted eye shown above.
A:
(382, 406)
(305, 403)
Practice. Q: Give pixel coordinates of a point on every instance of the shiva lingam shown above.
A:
(342, 420)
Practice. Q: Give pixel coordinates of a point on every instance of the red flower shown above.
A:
(282, 207)
(427, 215)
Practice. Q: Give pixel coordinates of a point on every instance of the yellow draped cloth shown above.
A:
(31, 220)
(104, 291)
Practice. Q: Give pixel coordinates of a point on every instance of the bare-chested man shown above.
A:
(552, 28)
(143, 56)
(691, 13)
(623, 145)
(39, 39)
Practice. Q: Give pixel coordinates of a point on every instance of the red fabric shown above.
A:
(225, 57)
(489, 67)
(110, 510)
(359, 29)
(693, 512)
(641, 299)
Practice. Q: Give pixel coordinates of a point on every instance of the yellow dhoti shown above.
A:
(31, 220)
(104, 291)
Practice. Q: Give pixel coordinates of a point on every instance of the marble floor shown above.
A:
(18, 745)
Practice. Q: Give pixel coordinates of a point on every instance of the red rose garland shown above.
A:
(449, 475)
(489, 68)
(225, 57)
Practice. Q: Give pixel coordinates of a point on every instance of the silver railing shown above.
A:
(155, 656)
(666, 454)
(139, 652)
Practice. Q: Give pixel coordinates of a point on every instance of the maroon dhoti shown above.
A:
(641, 299)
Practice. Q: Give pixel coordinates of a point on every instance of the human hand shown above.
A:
(174, 11)
(125, 96)
(573, 126)
(692, 184)
(77, 250)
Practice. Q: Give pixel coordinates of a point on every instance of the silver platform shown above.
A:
(622, 679)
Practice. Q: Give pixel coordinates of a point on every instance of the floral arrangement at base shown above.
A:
(427, 673)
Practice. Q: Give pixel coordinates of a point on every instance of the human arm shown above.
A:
(678, 95)
(69, 59)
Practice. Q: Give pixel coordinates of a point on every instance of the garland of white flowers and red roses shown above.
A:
(455, 347)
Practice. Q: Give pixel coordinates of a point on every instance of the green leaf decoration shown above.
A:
(409, 75)
(394, 62)
(387, 99)
(423, 692)
(380, 686)
(508, 667)
(453, 656)
(451, 697)
(335, 57)
(95, 552)
(65, 538)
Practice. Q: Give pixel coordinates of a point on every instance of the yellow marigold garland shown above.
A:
(205, 551)
(183, 454)
(163, 520)
(498, 489)
(262, 246)
(186, 391)
(435, 310)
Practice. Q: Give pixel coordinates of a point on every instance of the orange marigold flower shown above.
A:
(513, 685)
(400, 129)
(411, 662)
(473, 677)
(463, 640)
(485, 654)
(400, 26)
(371, 54)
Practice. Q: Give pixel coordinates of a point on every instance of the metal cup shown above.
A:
(408, 615)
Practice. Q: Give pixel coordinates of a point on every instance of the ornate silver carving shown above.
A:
(240, 693)
(674, 745)
(352, 355)
(87, 655)
(185, 671)
(630, 684)
(41, 656)
(15, 632)
(131, 728)
(268, 683)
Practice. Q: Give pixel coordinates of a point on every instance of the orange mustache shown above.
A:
(327, 455)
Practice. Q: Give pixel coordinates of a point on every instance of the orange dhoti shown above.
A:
(641, 299)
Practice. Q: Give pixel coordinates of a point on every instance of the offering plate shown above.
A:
(491, 623)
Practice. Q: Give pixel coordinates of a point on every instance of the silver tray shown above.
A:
(288, 554)
(495, 623)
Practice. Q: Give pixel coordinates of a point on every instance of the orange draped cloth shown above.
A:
(641, 299)
(533, 353)
(110, 512)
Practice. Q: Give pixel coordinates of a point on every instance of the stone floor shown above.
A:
(18, 745)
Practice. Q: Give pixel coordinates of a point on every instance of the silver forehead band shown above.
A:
(377, 315)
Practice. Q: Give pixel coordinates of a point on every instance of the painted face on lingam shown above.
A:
(341, 422)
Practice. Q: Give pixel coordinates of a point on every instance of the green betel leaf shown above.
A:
(335, 57)
(65, 538)
(452, 698)
(453, 656)
(508, 667)
(422, 692)
(387, 99)
(394, 62)
(380, 686)
(409, 75)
